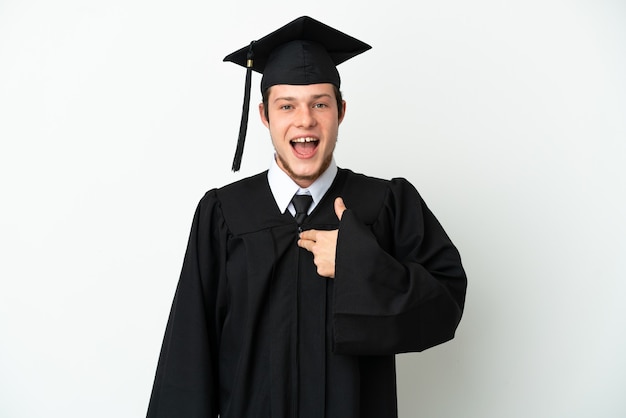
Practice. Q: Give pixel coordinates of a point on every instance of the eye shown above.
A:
(320, 105)
(286, 107)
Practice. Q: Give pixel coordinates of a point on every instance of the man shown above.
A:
(300, 284)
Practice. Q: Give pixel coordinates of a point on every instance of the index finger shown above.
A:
(310, 234)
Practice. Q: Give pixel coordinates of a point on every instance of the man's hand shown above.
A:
(323, 244)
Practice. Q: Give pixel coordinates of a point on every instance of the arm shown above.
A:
(185, 382)
(399, 283)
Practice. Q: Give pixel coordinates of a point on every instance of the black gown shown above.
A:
(254, 331)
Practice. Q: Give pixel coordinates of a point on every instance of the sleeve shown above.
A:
(185, 384)
(407, 296)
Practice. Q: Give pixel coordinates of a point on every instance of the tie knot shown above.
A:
(301, 203)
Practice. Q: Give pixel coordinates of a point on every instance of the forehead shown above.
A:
(290, 91)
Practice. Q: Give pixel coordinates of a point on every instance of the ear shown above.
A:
(262, 114)
(343, 111)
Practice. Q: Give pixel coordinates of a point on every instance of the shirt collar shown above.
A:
(284, 188)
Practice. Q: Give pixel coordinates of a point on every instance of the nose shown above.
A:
(306, 118)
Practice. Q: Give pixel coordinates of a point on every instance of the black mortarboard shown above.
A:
(304, 51)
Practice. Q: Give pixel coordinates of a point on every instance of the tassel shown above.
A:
(243, 127)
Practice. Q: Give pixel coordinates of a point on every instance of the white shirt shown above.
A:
(284, 188)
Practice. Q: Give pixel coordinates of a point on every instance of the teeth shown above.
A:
(304, 140)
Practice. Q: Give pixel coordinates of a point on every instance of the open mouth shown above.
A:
(304, 147)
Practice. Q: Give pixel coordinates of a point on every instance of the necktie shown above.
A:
(301, 202)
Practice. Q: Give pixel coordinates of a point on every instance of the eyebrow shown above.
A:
(312, 97)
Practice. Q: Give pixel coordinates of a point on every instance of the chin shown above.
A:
(307, 173)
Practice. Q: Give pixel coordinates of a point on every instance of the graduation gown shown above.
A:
(254, 331)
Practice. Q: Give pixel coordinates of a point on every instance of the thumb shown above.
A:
(339, 207)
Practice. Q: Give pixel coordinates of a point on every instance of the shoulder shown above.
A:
(243, 186)
(372, 195)
(363, 180)
(246, 205)
(234, 193)
(227, 198)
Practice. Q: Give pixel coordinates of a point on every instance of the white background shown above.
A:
(509, 117)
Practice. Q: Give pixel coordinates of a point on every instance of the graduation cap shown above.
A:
(304, 51)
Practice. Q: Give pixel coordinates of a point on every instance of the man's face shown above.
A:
(303, 123)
